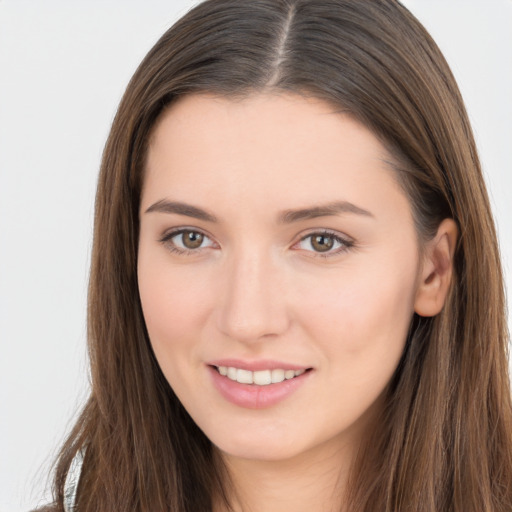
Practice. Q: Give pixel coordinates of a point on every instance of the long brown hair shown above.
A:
(444, 442)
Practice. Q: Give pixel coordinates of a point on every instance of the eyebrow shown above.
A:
(285, 217)
(324, 210)
(165, 206)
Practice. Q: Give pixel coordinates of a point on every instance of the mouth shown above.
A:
(257, 384)
(259, 377)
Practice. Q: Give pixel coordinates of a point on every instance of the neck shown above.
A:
(310, 481)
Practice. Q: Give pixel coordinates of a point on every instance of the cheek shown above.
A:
(360, 328)
(173, 304)
(362, 314)
(385, 310)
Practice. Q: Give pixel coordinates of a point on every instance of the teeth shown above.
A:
(260, 378)
(277, 376)
(244, 376)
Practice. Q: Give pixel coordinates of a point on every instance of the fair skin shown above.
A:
(329, 292)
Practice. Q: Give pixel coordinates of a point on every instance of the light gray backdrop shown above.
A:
(63, 68)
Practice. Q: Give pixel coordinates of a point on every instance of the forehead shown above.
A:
(270, 119)
(268, 149)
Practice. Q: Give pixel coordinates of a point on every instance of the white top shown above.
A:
(71, 484)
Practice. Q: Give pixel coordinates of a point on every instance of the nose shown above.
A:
(252, 303)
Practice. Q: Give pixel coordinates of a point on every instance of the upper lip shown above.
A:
(254, 366)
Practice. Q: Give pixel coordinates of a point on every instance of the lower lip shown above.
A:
(252, 396)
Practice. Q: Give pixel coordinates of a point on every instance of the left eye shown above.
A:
(188, 240)
(323, 243)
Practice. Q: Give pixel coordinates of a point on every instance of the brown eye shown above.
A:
(186, 240)
(322, 243)
(192, 239)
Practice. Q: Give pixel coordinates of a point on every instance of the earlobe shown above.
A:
(436, 272)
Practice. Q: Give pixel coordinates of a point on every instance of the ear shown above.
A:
(436, 272)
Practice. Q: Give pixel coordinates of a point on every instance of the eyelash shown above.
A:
(167, 241)
(345, 243)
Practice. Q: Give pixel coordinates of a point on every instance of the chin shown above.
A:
(256, 444)
(258, 451)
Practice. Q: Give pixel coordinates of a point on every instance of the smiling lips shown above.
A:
(257, 385)
(259, 378)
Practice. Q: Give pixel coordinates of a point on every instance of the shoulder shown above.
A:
(70, 488)
(71, 485)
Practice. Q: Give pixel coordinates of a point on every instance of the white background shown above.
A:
(63, 68)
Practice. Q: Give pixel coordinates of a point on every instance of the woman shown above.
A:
(296, 298)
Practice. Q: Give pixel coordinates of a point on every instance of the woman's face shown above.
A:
(277, 247)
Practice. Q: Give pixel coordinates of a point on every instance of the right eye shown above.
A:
(184, 241)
